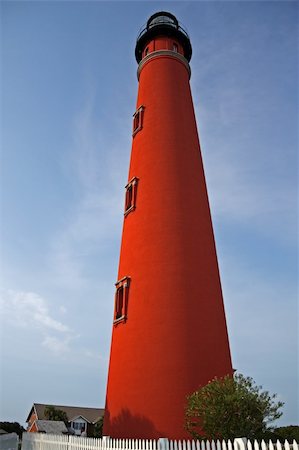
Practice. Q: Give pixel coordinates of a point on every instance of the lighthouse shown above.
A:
(169, 334)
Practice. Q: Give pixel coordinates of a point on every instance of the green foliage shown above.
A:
(52, 413)
(12, 427)
(289, 433)
(231, 407)
(98, 428)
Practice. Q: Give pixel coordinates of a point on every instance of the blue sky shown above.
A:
(69, 89)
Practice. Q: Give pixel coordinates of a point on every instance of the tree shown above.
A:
(12, 427)
(290, 433)
(98, 428)
(52, 413)
(231, 407)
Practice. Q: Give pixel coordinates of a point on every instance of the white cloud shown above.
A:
(55, 345)
(93, 355)
(27, 315)
(31, 312)
(28, 309)
(62, 309)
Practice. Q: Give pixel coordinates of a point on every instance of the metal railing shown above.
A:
(145, 28)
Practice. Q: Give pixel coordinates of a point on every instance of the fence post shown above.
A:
(163, 444)
(240, 443)
(105, 442)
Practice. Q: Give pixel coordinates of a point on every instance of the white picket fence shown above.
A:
(36, 441)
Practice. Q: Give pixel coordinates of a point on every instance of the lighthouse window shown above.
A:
(121, 300)
(119, 303)
(175, 47)
(131, 194)
(138, 120)
(129, 197)
(146, 51)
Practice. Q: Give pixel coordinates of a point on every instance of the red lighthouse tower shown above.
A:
(169, 331)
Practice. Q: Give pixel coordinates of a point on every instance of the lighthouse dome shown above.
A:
(162, 23)
(162, 17)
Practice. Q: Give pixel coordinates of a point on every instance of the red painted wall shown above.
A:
(162, 43)
(175, 337)
(33, 428)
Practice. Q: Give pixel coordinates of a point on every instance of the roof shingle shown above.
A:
(92, 415)
(51, 426)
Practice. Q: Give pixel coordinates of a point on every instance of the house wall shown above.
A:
(33, 429)
(77, 424)
(32, 418)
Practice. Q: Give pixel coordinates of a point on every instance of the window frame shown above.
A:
(121, 285)
(132, 185)
(138, 120)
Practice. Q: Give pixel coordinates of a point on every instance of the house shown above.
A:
(79, 419)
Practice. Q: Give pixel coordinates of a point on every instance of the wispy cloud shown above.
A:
(239, 192)
(29, 314)
(29, 310)
(56, 345)
(250, 174)
(98, 168)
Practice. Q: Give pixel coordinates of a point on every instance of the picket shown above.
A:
(223, 445)
(264, 446)
(229, 445)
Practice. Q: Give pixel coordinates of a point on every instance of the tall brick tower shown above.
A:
(169, 331)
